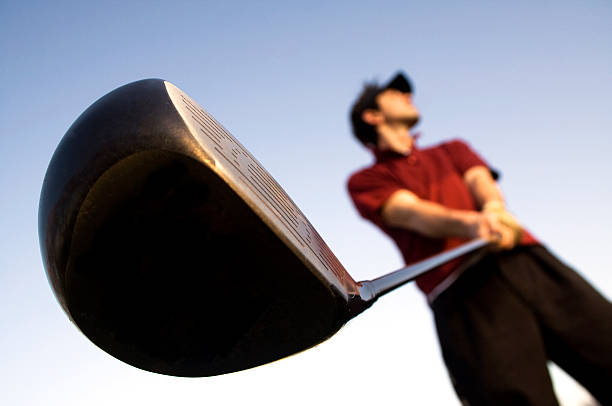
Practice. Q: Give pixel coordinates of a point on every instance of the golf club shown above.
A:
(172, 249)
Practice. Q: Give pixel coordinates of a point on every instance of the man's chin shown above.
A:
(412, 121)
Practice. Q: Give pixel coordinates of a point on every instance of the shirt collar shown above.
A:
(387, 155)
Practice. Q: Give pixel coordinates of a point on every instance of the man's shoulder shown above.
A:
(447, 145)
(366, 174)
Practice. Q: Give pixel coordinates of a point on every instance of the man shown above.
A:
(501, 319)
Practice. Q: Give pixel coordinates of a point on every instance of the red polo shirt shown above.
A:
(434, 174)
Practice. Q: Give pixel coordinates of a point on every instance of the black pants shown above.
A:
(504, 318)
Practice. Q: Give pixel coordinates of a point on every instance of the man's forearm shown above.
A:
(489, 198)
(405, 210)
(483, 187)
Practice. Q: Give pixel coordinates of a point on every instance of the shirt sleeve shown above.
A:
(369, 190)
(464, 158)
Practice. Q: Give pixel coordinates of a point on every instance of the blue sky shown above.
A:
(528, 84)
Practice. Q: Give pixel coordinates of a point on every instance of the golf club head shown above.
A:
(174, 250)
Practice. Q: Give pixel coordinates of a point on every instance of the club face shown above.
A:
(259, 189)
(173, 250)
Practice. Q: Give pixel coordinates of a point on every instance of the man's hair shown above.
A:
(365, 133)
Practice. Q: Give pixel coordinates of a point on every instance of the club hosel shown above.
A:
(367, 291)
(361, 302)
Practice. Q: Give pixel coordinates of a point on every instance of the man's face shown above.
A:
(397, 107)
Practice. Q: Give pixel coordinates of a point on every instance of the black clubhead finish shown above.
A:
(173, 250)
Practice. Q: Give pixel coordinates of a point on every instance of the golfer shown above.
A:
(500, 319)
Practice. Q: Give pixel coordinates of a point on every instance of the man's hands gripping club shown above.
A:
(508, 232)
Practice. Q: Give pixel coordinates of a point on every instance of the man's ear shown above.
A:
(372, 117)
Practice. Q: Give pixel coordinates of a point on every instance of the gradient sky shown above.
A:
(527, 83)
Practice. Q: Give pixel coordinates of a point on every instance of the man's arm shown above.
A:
(405, 209)
(482, 186)
(490, 200)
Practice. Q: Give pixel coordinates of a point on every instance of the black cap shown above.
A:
(367, 100)
(401, 83)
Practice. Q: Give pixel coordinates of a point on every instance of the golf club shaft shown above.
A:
(372, 290)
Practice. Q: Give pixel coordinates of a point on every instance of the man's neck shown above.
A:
(395, 137)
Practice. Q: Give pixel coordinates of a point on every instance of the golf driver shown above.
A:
(171, 248)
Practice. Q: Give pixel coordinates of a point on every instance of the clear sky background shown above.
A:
(527, 83)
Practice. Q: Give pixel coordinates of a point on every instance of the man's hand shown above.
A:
(488, 227)
(504, 237)
(497, 211)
